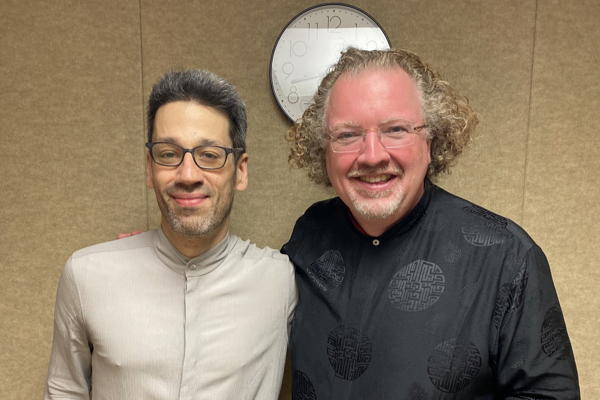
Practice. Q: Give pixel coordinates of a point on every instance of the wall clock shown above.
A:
(310, 43)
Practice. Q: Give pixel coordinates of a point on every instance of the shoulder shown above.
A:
(271, 271)
(132, 243)
(478, 224)
(114, 253)
(253, 253)
(265, 261)
(102, 265)
(320, 213)
(323, 207)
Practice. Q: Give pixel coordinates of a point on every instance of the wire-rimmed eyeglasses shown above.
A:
(349, 138)
(205, 157)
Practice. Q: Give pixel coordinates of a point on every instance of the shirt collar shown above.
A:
(196, 266)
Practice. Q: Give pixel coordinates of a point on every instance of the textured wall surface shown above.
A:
(75, 75)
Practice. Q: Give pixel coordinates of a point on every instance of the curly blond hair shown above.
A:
(448, 115)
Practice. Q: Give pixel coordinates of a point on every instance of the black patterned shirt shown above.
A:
(452, 302)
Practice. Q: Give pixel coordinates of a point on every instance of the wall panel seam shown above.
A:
(142, 116)
(529, 116)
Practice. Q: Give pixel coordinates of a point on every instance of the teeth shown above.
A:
(375, 179)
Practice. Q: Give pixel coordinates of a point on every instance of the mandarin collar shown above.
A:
(196, 266)
(402, 225)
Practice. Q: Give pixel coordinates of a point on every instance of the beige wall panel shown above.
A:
(562, 191)
(71, 159)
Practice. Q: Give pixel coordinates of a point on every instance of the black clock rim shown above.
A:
(292, 20)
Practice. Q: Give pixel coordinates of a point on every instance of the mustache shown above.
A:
(376, 170)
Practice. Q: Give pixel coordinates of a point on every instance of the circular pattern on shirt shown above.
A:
(417, 286)
(302, 388)
(349, 352)
(452, 366)
(555, 340)
(510, 297)
(482, 235)
(488, 229)
(327, 271)
(490, 217)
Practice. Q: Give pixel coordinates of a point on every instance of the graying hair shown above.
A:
(449, 117)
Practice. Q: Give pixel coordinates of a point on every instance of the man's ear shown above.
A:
(241, 173)
(149, 183)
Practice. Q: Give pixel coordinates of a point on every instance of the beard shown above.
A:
(192, 222)
(380, 205)
(377, 204)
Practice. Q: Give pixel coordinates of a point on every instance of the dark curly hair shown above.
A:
(448, 115)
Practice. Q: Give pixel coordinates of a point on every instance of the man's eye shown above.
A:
(347, 136)
(396, 130)
(168, 154)
(208, 155)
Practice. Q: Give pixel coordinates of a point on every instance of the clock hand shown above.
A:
(294, 81)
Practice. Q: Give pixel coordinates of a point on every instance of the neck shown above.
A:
(372, 227)
(193, 246)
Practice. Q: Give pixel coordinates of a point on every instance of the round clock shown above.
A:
(310, 43)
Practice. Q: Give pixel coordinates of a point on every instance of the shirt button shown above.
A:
(375, 242)
(193, 267)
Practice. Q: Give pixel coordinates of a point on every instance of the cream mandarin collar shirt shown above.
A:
(135, 319)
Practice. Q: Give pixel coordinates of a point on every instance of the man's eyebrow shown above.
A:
(348, 124)
(393, 120)
(208, 142)
(203, 142)
(166, 139)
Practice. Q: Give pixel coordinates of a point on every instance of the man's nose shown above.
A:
(188, 172)
(373, 152)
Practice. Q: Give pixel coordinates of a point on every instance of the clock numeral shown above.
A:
(313, 28)
(293, 95)
(333, 22)
(298, 48)
(287, 69)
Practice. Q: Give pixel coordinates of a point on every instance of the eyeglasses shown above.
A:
(205, 157)
(392, 135)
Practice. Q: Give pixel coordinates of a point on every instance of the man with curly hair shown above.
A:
(405, 290)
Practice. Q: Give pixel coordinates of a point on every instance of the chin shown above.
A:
(376, 208)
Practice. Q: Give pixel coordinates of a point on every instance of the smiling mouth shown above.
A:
(189, 201)
(376, 178)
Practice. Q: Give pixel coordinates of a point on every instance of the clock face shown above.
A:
(311, 43)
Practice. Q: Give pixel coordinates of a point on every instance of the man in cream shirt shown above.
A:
(188, 311)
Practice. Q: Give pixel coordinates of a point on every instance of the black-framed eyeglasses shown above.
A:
(205, 157)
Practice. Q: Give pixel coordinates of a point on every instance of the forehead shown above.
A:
(189, 123)
(374, 95)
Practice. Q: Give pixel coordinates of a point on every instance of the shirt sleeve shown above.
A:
(69, 372)
(293, 297)
(534, 356)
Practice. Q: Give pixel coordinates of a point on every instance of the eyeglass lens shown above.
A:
(393, 135)
(170, 154)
